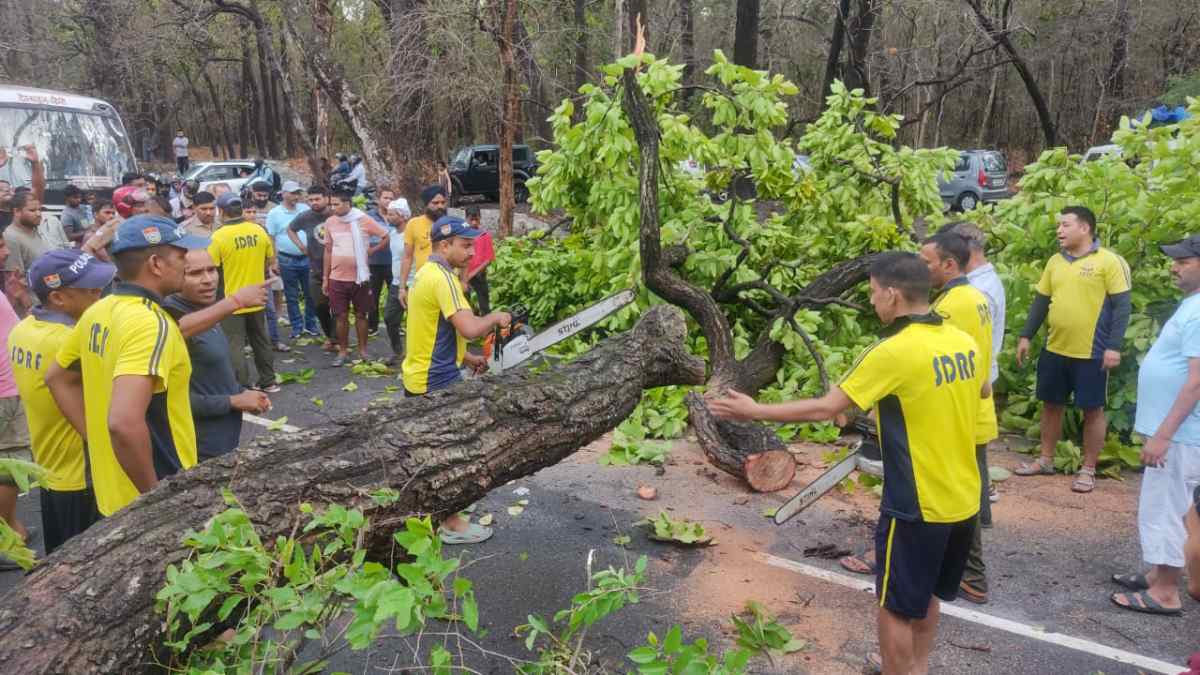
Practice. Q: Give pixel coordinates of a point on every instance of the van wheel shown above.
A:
(966, 201)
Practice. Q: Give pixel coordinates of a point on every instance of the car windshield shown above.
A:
(194, 172)
(993, 162)
(86, 149)
(462, 158)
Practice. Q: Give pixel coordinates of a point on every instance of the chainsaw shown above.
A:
(510, 348)
(864, 456)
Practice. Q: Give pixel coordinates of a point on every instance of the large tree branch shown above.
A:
(658, 275)
(89, 607)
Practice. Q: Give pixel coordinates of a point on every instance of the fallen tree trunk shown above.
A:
(89, 607)
(741, 449)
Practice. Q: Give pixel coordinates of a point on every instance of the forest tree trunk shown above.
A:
(510, 110)
(1000, 37)
(745, 34)
(89, 607)
(219, 110)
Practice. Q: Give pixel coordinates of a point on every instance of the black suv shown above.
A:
(475, 170)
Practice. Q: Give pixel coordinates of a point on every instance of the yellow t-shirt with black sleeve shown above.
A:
(966, 308)
(241, 250)
(433, 349)
(923, 379)
(129, 333)
(57, 447)
(416, 239)
(1080, 291)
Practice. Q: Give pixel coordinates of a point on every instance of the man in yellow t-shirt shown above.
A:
(121, 376)
(418, 244)
(923, 379)
(66, 283)
(439, 323)
(243, 250)
(1084, 295)
(965, 307)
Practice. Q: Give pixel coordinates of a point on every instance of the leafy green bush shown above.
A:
(1144, 196)
(839, 210)
(281, 598)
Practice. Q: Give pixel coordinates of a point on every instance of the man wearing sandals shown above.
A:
(1084, 296)
(1167, 416)
(923, 379)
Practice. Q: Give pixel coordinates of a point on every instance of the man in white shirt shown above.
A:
(397, 216)
(180, 145)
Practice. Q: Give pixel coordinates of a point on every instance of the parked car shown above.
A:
(979, 176)
(475, 170)
(227, 171)
(1097, 151)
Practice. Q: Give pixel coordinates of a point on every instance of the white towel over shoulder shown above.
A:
(362, 269)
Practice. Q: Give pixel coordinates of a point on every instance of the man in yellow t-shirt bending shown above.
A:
(923, 379)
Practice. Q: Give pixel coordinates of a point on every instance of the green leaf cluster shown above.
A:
(26, 475)
(560, 642)
(1144, 195)
(281, 598)
(303, 376)
(682, 531)
(799, 222)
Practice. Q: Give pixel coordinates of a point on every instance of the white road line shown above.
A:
(264, 422)
(1016, 628)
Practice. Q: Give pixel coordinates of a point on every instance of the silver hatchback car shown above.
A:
(979, 176)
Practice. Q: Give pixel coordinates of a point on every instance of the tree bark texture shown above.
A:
(504, 30)
(380, 159)
(1049, 130)
(687, 44)
(582, 70)
(219, 110)
(741, 449)
(859, 32)
(322, 18)
(745, 34)
(89, 607)
(266, 89)
(836, 42)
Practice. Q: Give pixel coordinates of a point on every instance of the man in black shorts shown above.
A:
(1084, 297)
(923, 379)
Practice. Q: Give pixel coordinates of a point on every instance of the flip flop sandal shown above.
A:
(856, 564)
(971, 594)
(1085, 481)
(1148, 604)
(1038, 467)
(1134, 582)
(474, 533)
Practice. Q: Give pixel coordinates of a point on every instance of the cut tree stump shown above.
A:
(89, 608)
(752, 452)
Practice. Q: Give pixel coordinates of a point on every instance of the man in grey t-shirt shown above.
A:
(73, 218)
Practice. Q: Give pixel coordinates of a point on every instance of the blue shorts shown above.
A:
(1058, 377)
(916, 561)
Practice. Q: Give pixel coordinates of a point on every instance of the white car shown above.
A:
(227, 171)
(1097, 151)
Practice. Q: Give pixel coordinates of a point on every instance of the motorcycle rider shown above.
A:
(358, 174)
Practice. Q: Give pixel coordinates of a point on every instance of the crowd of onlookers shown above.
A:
(138, 331)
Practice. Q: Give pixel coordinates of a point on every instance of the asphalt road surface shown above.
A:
(1050, 555)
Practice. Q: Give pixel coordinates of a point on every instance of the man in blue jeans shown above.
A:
(293, 262)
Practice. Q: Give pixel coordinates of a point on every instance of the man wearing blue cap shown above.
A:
(439, 324)
(121, 377)
(66, 283)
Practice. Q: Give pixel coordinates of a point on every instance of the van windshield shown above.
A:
(86, 149)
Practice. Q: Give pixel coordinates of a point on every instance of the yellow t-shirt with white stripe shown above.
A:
(129, 333)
